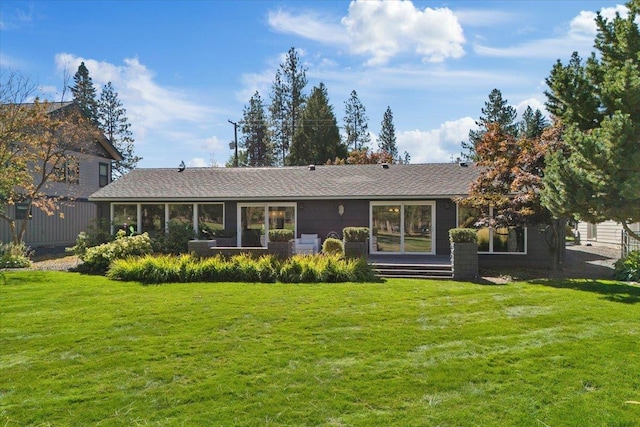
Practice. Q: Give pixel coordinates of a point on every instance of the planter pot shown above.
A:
(281, 250)
(464, 260)
(227, 242)
(356, 249)
(201, 248)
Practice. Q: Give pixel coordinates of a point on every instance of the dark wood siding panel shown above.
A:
(445, 220)
(321, 216)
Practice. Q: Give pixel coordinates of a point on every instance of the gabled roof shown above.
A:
(411, 181)
(64, 107)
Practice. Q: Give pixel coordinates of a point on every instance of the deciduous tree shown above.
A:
(36, 140)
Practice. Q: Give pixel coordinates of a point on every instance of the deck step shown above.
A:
(413, 271)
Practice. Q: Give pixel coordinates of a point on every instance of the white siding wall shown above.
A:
(605, 232)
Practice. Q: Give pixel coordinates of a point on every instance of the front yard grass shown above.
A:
(83, 350)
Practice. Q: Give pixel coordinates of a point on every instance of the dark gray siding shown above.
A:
(537, 256)
(445, 220)
(321, 216)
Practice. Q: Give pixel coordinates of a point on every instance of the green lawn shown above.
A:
(82, 350)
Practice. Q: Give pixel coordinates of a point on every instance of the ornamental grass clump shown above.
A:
(240, 268)
(14, 255)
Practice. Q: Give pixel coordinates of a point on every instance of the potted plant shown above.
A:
(356, 241)
(281, 243)
(464, 253)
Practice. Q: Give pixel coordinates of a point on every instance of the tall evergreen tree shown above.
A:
(317, 140)
(356, 123)
(255, 140)
(532, 124)
(84, 93)
(495, 110)
(113, 121)
(597, 175)
(387, 136)
(287, 102)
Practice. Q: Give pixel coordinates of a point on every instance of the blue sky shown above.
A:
(183, 69)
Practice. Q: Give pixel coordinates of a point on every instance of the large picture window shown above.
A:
(402, 227)
(125, 217)
(493, 239)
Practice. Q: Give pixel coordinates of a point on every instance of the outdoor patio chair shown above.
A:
(308, 244)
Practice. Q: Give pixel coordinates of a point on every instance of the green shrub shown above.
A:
(175, 241)
(97, 259)
(240, 268)
(15, 255)
(280, 235)
(98, 232)
(628, 268)
(355, 234)
(463, 235)
(332, 246)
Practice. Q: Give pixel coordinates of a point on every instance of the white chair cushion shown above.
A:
(308, 238)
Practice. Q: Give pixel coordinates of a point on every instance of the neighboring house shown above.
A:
(604, 232)
(85, 171)
(408, 208)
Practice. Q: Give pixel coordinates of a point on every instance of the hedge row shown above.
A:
(241, 268)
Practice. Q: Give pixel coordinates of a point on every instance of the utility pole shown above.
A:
(235, 134)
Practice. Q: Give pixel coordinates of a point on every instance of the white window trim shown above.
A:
(402, 204)
(491, 230)
(266, 206)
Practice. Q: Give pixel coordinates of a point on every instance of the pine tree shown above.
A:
(532, 124)
(287, 102)
(84, 93)
(387, 136)
(317, 140)
(496, 110)
(113, 121)
(355, 123)
(596, 177)
(255, 140)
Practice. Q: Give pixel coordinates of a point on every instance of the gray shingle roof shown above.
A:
(292, 183)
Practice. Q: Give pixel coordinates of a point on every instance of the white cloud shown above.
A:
(382, 30)
(310, 26)
(534, 103)
(151, 108)
(197, 162)
(578, 37)
(437, 145)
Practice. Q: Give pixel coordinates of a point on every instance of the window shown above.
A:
(22, 211)
(67, 170)
(402, 227)
(493, 239)
(210, 218)
(125, 217)
(152, 218)
(103, 174)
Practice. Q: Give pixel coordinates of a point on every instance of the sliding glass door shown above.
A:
(256, 219)
(402, 227)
